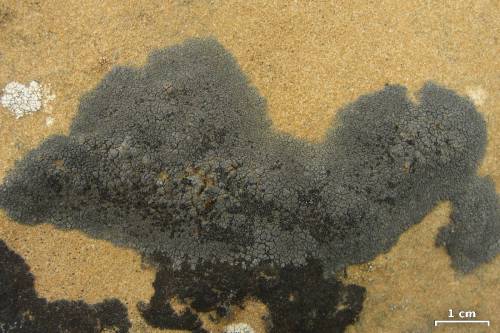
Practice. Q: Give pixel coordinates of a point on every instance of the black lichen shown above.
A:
(299, 299)
(22, 311)
(179, 157)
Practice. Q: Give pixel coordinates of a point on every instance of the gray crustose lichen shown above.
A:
(179, 157)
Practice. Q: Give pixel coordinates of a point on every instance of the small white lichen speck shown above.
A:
(477, 94)
(49, 121)
(22, 100)
(238, 328)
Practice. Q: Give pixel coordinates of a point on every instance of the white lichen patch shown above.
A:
(22, 100)
(49, 121)
(477, 94)
(238, 328)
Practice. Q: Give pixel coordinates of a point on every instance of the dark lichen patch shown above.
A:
(393, 160)
(299, 299)
(474, 225)
(21, 310)
(179, 157)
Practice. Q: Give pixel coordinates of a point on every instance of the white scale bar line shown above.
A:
(437, 322)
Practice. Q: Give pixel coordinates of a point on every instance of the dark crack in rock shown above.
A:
(179, 157)
(22, 311)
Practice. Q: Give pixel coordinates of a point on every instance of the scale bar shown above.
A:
(437, 322)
